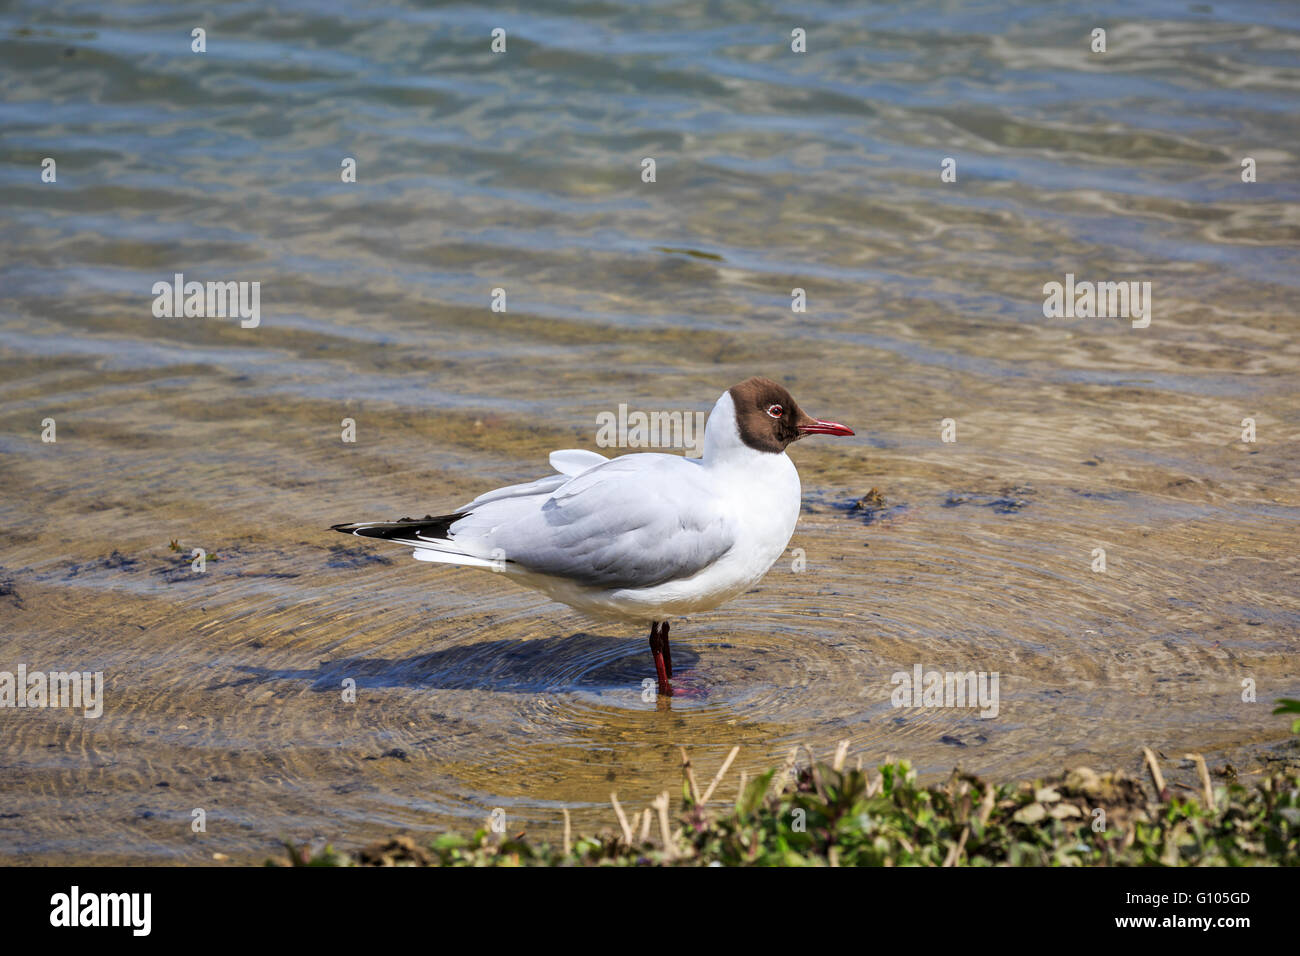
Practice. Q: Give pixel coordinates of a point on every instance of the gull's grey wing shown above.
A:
(542, 486)
(634, 522)
(568, 462)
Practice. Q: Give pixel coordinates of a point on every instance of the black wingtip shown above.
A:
(430, 526)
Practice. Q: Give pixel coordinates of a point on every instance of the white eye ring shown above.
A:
(776, 411)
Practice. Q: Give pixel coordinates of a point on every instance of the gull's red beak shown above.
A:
(814, 427)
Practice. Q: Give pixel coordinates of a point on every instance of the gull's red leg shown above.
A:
(663, 645)
(657, 645)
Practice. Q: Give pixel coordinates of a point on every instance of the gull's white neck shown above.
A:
(723, 446)
(759, 489)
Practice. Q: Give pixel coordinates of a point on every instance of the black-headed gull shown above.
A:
(642, 537)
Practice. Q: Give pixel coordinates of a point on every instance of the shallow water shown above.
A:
(522, 171)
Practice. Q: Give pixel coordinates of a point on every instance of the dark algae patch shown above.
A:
(873, 507)
(693, 253)
(1009, 499)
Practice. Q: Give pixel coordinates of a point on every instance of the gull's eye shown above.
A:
(776, 411)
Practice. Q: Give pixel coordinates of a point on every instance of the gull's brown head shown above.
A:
(769, 418)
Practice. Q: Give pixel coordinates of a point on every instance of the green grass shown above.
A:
(822, 816)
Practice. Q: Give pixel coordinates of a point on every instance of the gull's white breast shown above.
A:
(756, 501)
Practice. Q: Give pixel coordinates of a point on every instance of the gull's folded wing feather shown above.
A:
(633, 522)
(542, 486)
(574, 461)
